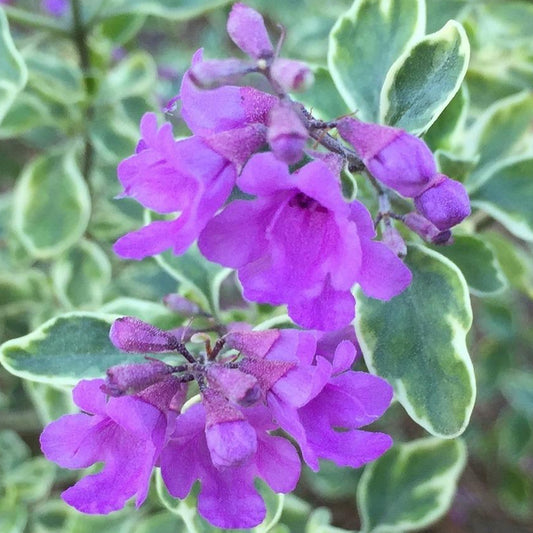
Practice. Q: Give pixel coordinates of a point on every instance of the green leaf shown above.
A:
(50, 517)
(168, 9)
(516, 264)
(65, 349)
(26, 113)
(498, 133)
(197, 276)
(13, 71)
(152, 312)
(424, 79)
(506, 193)
(163, 522)
(417, 342)
(32, 479)
(456, 167)
(49, 402)
(13, 517)
(14, 451)
(81, 275)
(52, 205)
(445, 131)
(411, 486)
(517, 387)
(515, 492)
(477, 262)
(365, 42)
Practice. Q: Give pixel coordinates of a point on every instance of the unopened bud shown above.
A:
(246, 28)
(181, 305)
(215, 72)
(286, 134)
(130, 379)
(445, 204)
(428, 231)
(292, 75)
(394, 157)
(133, 335)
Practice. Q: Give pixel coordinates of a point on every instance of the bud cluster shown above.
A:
(296, 381)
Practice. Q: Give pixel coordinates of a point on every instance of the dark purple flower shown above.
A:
(445, 203)
(246, 28)
(126, 434)
(168, 176)
(228, 497)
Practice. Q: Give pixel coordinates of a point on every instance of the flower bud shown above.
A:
(237, 386)
(445, 204)
(394, 241)
(423, 227)
(252, 343)
(215, 72)
(181, 305)
(286, 134)
(246, 29)
(132, 335)
(292, 75)
(401, 161)
(130, 379)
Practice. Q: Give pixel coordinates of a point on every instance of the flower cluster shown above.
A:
(288, 230)
(291, 380)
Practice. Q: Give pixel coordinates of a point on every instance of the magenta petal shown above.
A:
(88, 396)
(383, 274)
(264, 175)
(344, 357)
(231, 444)
(228, 499)
(278, 463)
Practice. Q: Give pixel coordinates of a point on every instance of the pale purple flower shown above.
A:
(215, 72)
(301, 244)
(228, 497)
(126, 434)
(57, 8)
(428, 231)
(291, 75)
(246, 28)
(166, 176)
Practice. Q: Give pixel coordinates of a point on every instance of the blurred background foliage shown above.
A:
(76, 87)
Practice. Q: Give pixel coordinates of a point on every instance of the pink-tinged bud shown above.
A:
(246, 29)
(252, 343)
(130, 379)
(428, 231)
(445, 204)
(230, 439)
(133, 335)
(292, 75)
(181, 305)
(394, 241)
(237, 386)
(394, 157)
(215, 72)
(286, 134)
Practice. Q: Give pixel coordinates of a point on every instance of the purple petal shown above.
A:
(344, 357)
(231, 444)
(253, 343)
(88, 396)
(264, 175)
(133, 335)
(383, 274)
(278, 463)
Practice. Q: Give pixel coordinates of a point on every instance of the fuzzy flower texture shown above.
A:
(288, 231)
(269, 385)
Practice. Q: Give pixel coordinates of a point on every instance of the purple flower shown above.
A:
(167, 176)
(226, 108)
(228, 497)
(57, 8)
(445, 203)
(292, 75)
(401, 161)
(246, 28)
(126, 434)
(300, 243)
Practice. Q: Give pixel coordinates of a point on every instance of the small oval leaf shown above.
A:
(365, 42)
(52, 205)
(417, 342)
(65, 349)
(423, 81)
(411, 486)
